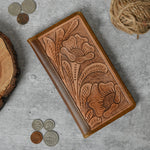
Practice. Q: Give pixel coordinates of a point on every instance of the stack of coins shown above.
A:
(51, 137)
(22, 10)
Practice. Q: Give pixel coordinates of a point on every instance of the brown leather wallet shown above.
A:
(82, 73)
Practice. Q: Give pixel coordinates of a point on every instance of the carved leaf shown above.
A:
(71, 28)
(85, 92)
(75, 70)
(95, 67)
(50, 48)
(59, 38)
(89, 115)
(68, 77)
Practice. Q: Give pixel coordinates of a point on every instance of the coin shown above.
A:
(49, 124)
(28, 6)
(51, 138)
(37, 124)
(22, 18)
(14, 9)
(36, 137)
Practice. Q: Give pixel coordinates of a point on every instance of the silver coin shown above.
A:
(51, 138)
(37, 124)
(14, 9)
(49, 124)
(28, 6)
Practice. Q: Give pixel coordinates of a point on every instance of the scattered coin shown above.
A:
(22, 18)
(51, 138)
(49, 124)
(36, 137)
(14, 9)
(37, 124)
(28, 6)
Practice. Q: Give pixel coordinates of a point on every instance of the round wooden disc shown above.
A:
(8, 68)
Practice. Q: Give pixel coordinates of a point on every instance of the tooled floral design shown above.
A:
(99, 101)
(53, 46)
(77, 50)
(68, 52)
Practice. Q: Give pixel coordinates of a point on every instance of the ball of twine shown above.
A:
(131, 16)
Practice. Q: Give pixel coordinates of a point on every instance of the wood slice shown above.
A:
(8, 68)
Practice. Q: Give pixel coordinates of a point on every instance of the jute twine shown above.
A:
(131, 16)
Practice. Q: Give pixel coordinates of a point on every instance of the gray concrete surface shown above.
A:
(36, 97)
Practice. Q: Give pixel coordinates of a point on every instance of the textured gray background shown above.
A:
(36, 97)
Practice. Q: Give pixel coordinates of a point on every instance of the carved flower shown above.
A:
(104, 99)
(52, 46)
(77, 49)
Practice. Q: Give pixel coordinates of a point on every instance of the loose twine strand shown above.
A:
(131, 16)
